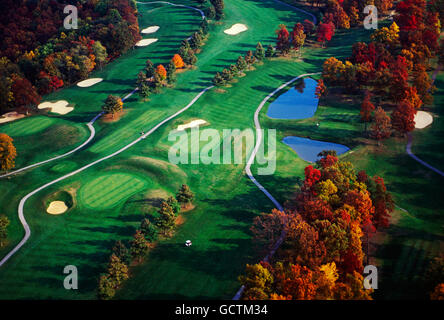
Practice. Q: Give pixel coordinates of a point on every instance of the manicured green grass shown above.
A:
(226, 200)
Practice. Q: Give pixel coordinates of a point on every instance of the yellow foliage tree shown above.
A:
(7, 152)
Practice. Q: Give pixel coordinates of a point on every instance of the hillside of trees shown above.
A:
(38, 55)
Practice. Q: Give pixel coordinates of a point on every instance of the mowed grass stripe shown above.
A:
(108, 190)
(27, 126)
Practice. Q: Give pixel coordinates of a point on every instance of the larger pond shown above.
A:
(300, 102)
(308, 149)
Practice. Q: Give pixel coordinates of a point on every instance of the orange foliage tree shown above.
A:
(178, 62)
(161, 71)
(7, 152)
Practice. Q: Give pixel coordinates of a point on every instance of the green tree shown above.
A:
(149, 230)
(227, 75)
(122, 252)
(234, 70)
(4, 223)
(174, 204)
(196, 41)
(218, 80)
(219, 7)
(241, 64)
(139, 246)
(149, 69)
(270, 51)
(166, 219)
(185, 195)
(204, 26)
(210, 12)
(260, 52)
(113, 104)
(171, 72)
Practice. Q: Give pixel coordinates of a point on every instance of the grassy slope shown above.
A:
(226, 200)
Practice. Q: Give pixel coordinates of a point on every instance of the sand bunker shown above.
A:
(236, 28)
(151, 29)
(145, 42)
(11, 116)
(57, 207)
(89, 82)
(423, 119)
(59, 107)
(192, 124)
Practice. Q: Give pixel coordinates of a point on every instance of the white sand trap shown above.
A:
(423, 119)
(192, 124)
(89, 82)
(236, 29)
(57, 207)
(59, 107)
(10, 116)
(151, 29)
(145, 42)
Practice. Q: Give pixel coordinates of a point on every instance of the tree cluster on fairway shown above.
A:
(152, 78)
(112, 105)
(324, 230)
(7, 152)
(218, 8)
(116, 273)
(242, 64)
(4, 223)
(145, 236)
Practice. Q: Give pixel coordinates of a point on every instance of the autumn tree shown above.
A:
(321, 89)
(367, 108)
(325, 32)
(117, 270)
(178, 62)
(403, 117)
(7, 152)
(113, 105)
(381, 125)
(257, 281)
(298, 36)
(283, 39)
(161, 71)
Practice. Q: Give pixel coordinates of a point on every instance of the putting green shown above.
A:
(27, 126)
(110, 189)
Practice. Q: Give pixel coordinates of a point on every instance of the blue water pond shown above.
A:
(300, 102)
(308, 149)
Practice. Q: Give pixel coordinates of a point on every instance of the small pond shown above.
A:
(299, 102)
(308, 149)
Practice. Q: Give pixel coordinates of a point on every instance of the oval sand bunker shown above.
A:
(236, 29)
(57, 207)
(60, 107)
(422, 119)
(145, 42)
(151, 29)
(89, 82)
(192, 124)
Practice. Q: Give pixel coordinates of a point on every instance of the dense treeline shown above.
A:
(38, 55)
(123, 257)
(392, 69)
(323, 229)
